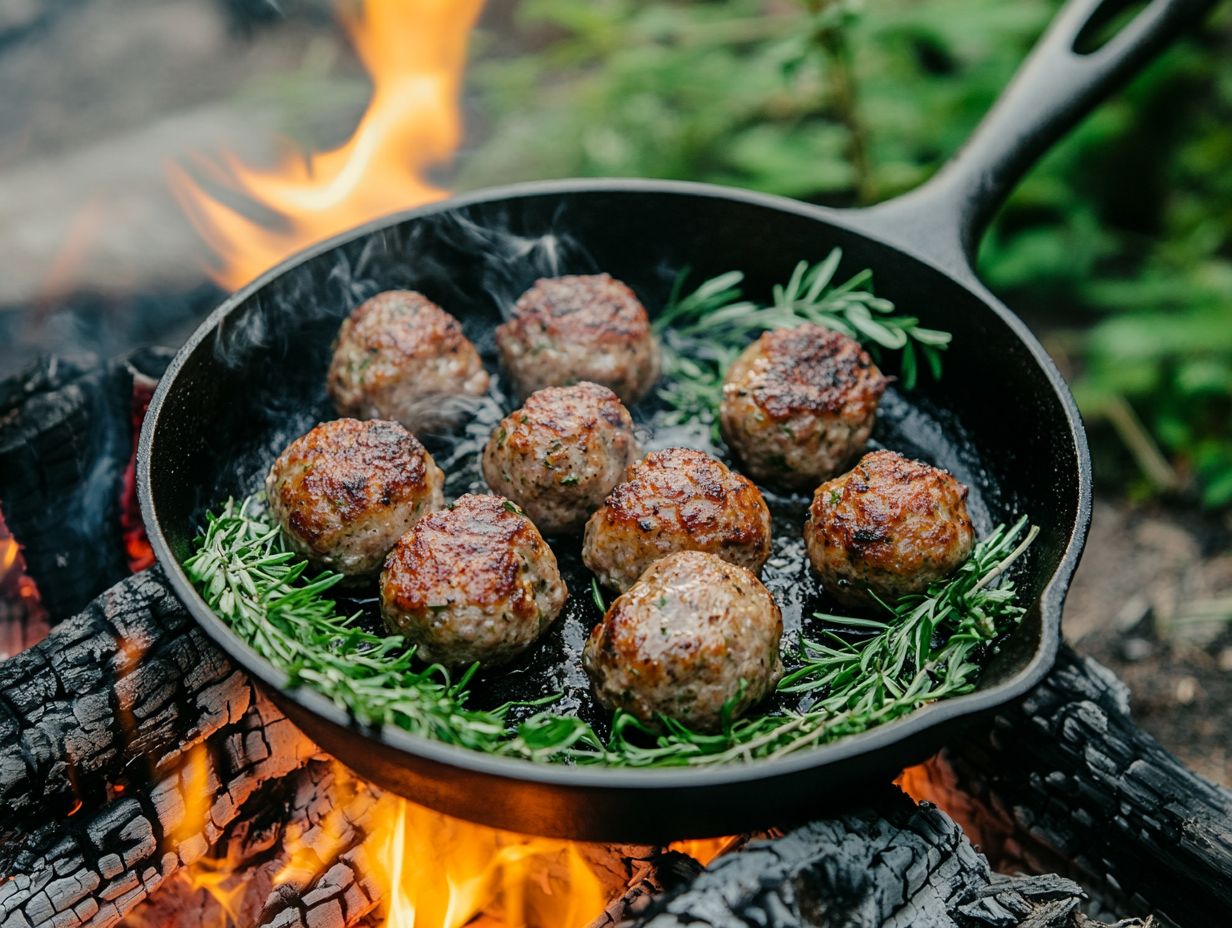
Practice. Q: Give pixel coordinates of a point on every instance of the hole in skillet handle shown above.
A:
(1105, 23)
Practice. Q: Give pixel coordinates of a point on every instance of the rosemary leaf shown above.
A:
(704, 330)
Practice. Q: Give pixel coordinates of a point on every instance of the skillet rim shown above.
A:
(598, 777)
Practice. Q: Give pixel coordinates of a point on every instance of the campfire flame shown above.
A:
(443, 873)
(422, 868)
(414, 51)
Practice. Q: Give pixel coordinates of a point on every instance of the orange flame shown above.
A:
(438, 872)
(414, 51)
(423, 869)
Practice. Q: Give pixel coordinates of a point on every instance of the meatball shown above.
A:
(561, 454)
(400, 356)
(889, 527)
(345, 492)
(694, 634)
(567, 329)
(798, 404)
(676, 500)
(474, 582)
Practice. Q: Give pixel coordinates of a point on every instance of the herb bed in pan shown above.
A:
(845, 674)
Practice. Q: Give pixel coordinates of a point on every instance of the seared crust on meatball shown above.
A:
(567, 329)
(890, 526)
(474, 582)
(560, 454)
(400, 356)
(345, 492)
(694, 633)
(676, 500)
(798, 404)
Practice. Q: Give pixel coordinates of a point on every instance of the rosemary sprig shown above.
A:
(703, 331)
(926, 649)
(262, 590)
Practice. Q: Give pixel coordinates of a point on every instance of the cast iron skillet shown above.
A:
(251, 377)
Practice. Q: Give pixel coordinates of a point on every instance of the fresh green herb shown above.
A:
(927, 649)
(703, 331)
(511, 506)
(570, 480)
(597, 595)
(263, 591)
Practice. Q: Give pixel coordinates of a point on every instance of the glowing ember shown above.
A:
(414, 51)
(915, 782)
(23, 620)
(703, 850)
(137, 548)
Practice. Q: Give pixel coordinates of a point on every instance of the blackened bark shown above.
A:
(66, 433)
(1066, 781)
(98, 865)
(113, 697)
(892, 864)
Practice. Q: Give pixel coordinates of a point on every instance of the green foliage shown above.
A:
(1118, 247)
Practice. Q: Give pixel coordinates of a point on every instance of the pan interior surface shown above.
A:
(253, 378)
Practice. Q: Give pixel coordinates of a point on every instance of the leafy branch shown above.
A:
(928, 648)
(703, 331)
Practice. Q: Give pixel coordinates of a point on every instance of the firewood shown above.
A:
(66, 439)
(113, 696)
(890, 864)
(99, 866)
(1066, 781)
(265, 869)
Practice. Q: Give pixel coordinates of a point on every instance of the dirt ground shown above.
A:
(1152, 600)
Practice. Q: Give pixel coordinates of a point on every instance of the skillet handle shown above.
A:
(1053, 90)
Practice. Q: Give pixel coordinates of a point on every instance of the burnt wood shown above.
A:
(92, 867)
(114, 696)
(274, 877)
(66, 438)
(1066, 781)
(891, 864)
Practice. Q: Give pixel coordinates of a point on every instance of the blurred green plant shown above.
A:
(1117, 248)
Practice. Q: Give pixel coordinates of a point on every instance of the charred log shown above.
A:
(100, 865)
(113, 697)
(66, 437)
(1066, 781)
(267, 868)
(892, 864)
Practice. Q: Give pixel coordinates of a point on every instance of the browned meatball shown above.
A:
(400, 356)
(676, 500)
(474, 582)
(561, 454)
(345, 492)
(693, 634)
(567, 329)
(798, 404)
(889, 527)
